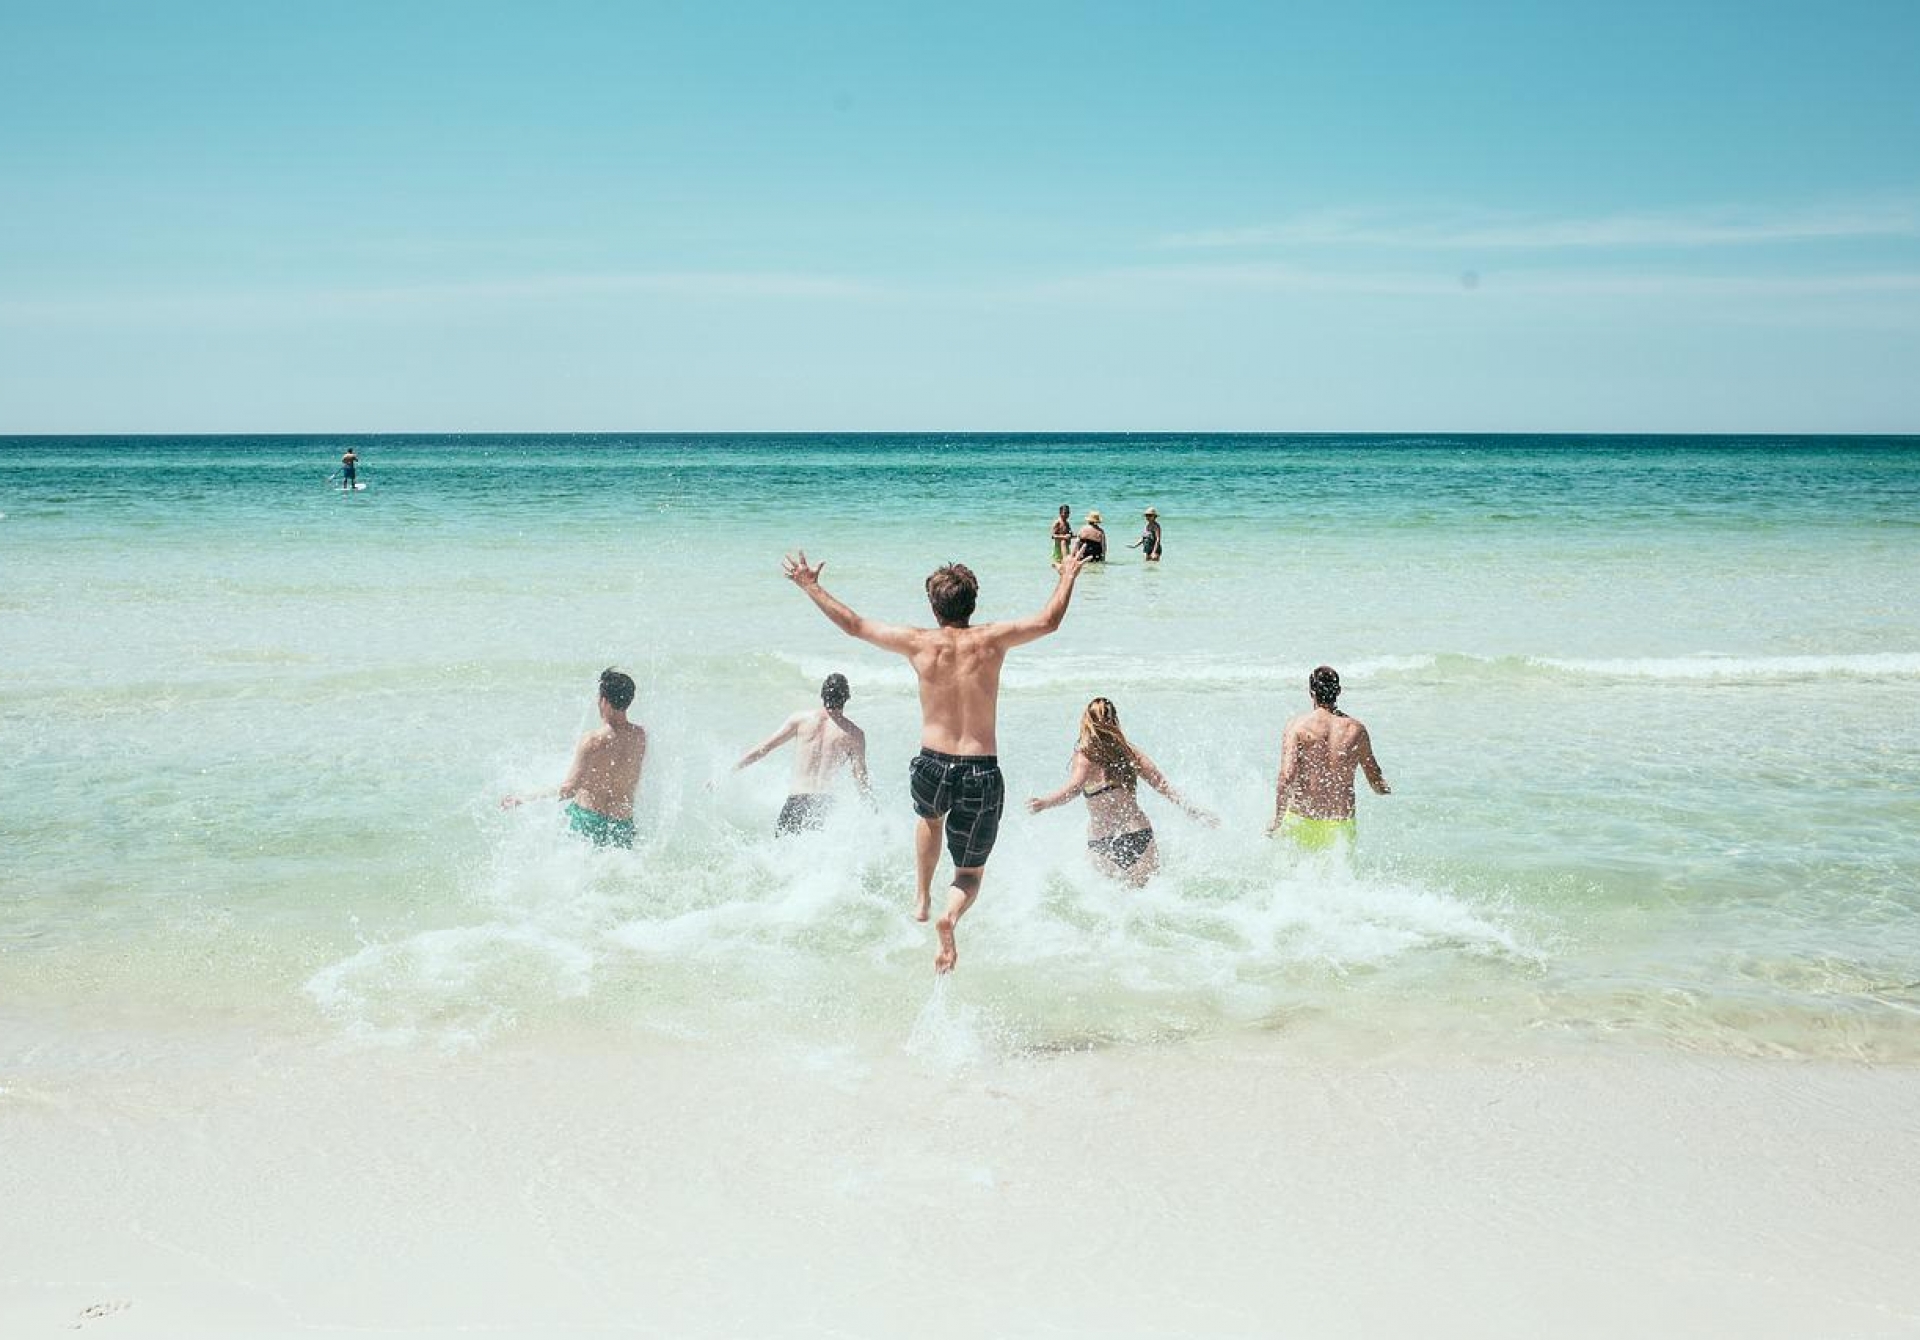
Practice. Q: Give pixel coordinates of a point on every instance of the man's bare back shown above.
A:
(1327, 748)
(606, 769)
(823, 743)
(959, 674)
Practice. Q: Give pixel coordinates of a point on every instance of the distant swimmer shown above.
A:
(348, 463)
(1107, 768)
(1062, 532)
(825, 741)
(955, 780)
(605, 775)
(1149, 542)
(1313, 803)
(1091, 546)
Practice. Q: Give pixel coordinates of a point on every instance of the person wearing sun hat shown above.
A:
(1091, 544)
(1149, 542)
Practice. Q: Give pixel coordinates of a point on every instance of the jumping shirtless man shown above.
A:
(955, 779)
(1313, 802)
(600, 785)
(825, 741)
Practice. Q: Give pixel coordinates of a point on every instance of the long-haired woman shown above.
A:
(1107, 770)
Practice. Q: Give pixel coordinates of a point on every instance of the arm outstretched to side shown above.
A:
(806, 576)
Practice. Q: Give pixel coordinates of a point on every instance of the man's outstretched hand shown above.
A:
(799, 572)
(1069, 566)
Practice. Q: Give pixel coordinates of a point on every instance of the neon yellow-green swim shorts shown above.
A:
(1318, 834)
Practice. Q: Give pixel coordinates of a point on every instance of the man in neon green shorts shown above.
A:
(605, 775)
(1313, 802)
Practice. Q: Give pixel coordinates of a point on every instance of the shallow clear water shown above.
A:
(1649, 707)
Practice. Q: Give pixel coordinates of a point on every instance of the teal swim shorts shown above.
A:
(600, 829)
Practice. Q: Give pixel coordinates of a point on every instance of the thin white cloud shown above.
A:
(423, 299)
(1465, 230)
(1162, 281)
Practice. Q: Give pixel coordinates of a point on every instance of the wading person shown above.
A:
(1149, 542)
(605, 775)
(825, 741)
(1106, 772)
(1062, 533)
(955, 779)
(1320, 752)
(1091, 544)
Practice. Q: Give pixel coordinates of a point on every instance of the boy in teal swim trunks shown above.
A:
(605, 775)
(1313, 802)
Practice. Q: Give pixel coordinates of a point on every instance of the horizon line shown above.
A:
(974, 432)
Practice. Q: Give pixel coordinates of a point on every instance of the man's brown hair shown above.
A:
(952, 591)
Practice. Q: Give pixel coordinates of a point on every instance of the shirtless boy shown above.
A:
(600, 785)
(955, 780)
(825, 740)
(1313, 802)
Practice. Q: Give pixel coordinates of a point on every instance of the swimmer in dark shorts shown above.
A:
(1106, 771)
(955, 780)
(825, 740)
(348, 463)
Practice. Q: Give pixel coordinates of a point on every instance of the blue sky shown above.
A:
(679, 216)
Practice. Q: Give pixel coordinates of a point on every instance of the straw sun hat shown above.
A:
(1152, 511)
(1093, 517)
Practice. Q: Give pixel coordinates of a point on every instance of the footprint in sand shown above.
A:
(99, 1310)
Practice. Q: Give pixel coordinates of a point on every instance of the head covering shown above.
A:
(1093, 517)
(1152, 511)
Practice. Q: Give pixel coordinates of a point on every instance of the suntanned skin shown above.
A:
(605, 775)
(1319, 754)
(958, 666)
(825, 740)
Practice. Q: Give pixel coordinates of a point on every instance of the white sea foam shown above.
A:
(1120, 671)
(708, 931)
(1868, 665)
(1176, 671)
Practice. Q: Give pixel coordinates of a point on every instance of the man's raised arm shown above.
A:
(890, 637)
(1016, 631)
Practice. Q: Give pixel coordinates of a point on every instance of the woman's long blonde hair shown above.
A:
(1105, 744)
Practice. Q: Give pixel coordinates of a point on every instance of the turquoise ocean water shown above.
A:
(1651, 709)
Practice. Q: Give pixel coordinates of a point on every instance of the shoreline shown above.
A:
(1223, 1187)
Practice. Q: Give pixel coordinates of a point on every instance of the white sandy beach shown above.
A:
(666, 1190)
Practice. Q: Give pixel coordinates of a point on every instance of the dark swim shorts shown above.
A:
(803, 810)
(969, 791)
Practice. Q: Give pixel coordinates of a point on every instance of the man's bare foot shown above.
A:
(949, 952)
(922, 906)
